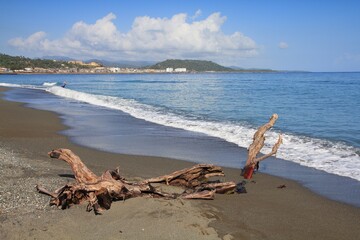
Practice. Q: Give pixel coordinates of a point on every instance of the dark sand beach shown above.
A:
(265, 212)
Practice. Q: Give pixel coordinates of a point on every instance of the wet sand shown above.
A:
(265, 212)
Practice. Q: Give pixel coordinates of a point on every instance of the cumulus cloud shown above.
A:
(283, 45)
(34, 41)
(148, 39)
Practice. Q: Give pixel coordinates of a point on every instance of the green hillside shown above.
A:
(20, 62)
(191, 65)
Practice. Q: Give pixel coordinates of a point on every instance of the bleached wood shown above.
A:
(101, 191)
(258, 143)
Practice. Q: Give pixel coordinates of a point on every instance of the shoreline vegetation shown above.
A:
(24, 65)
(264, 212)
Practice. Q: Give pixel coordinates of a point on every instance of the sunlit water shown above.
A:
(319, 113)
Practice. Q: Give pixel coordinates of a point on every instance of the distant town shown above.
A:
(95, 68)
(90, 68)
(23, 65)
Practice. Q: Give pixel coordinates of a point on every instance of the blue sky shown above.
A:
(282, 35)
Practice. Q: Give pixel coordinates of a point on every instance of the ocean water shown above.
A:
(319, 114)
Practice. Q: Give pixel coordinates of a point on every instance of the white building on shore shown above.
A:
(114, 69)
(180, 69)
(177, 70)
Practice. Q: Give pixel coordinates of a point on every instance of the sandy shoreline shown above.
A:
(265, 212)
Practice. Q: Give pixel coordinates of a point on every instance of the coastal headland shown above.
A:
(23, 65)
(264, 212)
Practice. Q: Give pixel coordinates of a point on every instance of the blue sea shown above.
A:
(209, 117)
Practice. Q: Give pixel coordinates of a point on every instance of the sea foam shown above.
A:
(49, 84)
(11, 85)
(333, 157)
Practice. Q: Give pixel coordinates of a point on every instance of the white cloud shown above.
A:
(149, 39)
(283, 45)
(34, 41)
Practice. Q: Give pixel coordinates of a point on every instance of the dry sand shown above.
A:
(265, 212)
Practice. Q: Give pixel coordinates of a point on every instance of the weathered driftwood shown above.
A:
(257, 145)
(101, 191)
(189, 177)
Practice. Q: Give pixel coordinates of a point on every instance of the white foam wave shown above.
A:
(331, 157)
(10, 85)
(49, 84)
(44, 86)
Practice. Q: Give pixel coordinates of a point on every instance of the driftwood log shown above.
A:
(100, 192)
(256, 146)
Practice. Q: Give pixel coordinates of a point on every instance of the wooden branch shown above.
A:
(226, 187)
(46, 192)
(189, 177)
(273, 151)
(101, 191)
(81, 172)
(206, 194)
(258, 144)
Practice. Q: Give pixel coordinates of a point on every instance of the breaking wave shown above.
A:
(333, 157)
(49, 84)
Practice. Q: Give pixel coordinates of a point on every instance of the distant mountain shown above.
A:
(58, 58)
(240, 69)
(236, 68)
(191, 65)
